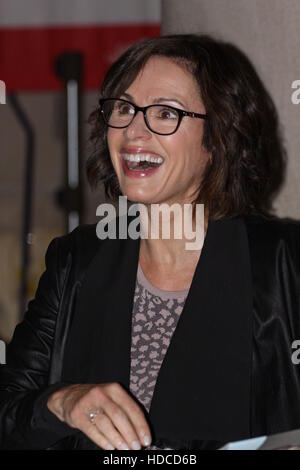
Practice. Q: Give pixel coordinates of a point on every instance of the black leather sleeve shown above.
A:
(25, 421)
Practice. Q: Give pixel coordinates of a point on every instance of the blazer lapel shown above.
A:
(98, 349)
(203, 386)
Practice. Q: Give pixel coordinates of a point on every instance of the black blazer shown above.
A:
(227, 373)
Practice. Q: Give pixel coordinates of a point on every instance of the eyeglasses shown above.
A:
(159, 118)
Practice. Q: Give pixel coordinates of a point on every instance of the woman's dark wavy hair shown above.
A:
(241, 132)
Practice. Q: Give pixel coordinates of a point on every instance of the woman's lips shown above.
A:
(138, 173)
(137, 150)
(140, 153)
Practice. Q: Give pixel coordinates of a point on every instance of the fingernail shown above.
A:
(124, 446)
(136, 445)
(110, 447)
(147, 440)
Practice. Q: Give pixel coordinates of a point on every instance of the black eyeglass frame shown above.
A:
(143, 109)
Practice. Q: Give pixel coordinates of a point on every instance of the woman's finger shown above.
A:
(117, 427)
(132, 411)
(95, 435)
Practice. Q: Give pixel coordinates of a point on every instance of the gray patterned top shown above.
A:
(154, 319)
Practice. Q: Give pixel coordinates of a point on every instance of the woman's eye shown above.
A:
(125, 109)
(167, 113)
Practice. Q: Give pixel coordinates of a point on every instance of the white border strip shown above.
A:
(20, 13)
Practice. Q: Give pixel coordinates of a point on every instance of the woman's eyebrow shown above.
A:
(127, 96)
(159, 100)
(156, 100)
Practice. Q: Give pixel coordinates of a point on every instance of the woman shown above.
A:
(141, 343)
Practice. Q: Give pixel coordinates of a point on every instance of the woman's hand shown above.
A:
(120, 424)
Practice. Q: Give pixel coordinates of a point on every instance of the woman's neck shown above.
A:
(172, 252)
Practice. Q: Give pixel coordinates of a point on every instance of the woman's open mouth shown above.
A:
(140, 165)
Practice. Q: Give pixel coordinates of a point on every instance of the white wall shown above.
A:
(268, 32)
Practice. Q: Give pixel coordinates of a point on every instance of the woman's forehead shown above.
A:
(162, 77)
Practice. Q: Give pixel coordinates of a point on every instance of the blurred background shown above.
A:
(53, 56)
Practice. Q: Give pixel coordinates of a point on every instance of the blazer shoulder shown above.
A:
(83, 243)
(272, 221)
(80, 245)
(79, 237)
(273, 228)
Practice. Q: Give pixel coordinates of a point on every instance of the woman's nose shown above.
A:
(138, 129)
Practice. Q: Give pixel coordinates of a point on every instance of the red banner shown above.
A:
(27, 55)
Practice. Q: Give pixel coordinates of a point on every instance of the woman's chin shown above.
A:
(141, 197)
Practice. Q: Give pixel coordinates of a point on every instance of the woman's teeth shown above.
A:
(142, 158)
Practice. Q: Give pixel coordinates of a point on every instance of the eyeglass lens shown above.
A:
(161, 118)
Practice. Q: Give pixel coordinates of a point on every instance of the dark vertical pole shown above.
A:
(69, 67)
(27, 198)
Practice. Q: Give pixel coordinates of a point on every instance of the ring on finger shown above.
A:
(93, 414)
